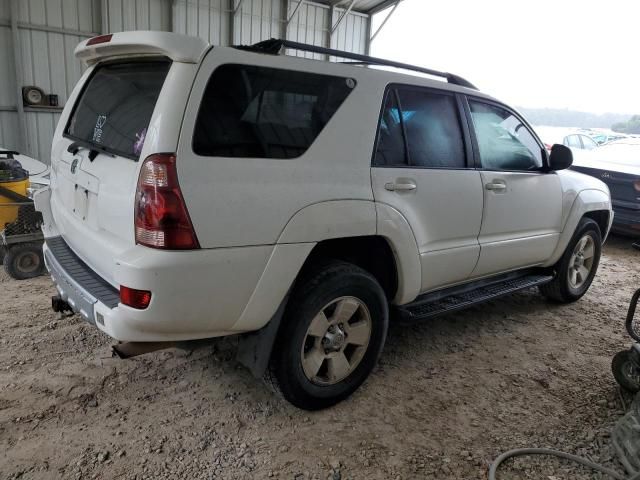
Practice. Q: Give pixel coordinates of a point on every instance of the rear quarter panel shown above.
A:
(250, 201)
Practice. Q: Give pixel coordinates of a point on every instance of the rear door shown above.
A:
(96, 169)
(420, 168)
(522, 204)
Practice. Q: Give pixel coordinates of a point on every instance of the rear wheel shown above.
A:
(578, 265)
(24, 261)
(331, 337)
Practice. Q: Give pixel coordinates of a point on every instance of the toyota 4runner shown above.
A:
(201, 191)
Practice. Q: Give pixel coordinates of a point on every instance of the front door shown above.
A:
(522, 204)
(420, 169)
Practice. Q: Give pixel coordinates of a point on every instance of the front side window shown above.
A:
(115, 107)
(505, 143)
(250, 111)
(420, 128)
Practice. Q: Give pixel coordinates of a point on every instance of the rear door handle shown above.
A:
(496, 186)
(403, 186)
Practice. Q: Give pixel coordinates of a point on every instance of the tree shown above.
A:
(630, 126)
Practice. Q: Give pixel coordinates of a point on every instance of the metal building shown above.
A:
(37, 39)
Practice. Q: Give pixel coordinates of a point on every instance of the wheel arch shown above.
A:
(592, 203)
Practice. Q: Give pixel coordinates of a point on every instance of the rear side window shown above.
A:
(434, 136)
(250, 111)
(115, 107)
(391, 146)
(420, 128)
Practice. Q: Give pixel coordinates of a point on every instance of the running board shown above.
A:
(456, 298)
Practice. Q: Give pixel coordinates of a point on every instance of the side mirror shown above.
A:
(561, 157)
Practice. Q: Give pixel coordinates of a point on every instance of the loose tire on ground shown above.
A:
(331, 336)
(624, 371)
(24, 261)
(571, 281)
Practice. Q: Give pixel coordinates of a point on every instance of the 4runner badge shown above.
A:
(74, 165)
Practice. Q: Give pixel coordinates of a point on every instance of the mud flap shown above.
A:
(254, 349)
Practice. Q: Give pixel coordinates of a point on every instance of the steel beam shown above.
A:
(295, 11)
(46, 28)
(23, 138)
(342, 16)
(395, 6)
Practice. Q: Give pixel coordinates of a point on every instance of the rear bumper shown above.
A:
(194, 294)
(76, 283)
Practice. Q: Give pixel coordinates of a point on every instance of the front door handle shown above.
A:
(401, 186)
(496, 186)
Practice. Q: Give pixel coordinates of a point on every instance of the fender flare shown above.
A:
(329, 220)
(586, 201)
(394, 227)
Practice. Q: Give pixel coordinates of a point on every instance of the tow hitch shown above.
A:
(59, 305)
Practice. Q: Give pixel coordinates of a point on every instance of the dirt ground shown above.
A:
(448, 396)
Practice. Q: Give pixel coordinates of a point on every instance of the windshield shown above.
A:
(115, 108)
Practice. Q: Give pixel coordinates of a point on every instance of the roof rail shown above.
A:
(275, 46)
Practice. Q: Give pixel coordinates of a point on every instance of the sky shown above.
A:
(580, 55)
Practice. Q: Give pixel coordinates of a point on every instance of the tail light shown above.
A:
(99, 39)
(131, 297)
(161, 217)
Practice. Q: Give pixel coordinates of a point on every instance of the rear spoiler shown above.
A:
(179, 48)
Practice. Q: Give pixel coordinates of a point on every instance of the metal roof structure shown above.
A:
(37, 43)
(363, 6)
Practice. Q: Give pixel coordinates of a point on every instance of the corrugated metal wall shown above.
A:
(49, 30)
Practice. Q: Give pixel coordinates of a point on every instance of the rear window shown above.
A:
(115, 107)
(250, 111)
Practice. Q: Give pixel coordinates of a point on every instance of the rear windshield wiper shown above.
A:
(93, 150)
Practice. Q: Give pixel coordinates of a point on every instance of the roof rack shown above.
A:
(275, 46)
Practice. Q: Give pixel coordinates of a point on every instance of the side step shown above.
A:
(456, 298)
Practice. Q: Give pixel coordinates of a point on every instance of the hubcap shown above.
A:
(28, 262)
(581, 261)
(336, 341)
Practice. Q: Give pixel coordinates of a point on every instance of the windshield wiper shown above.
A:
(77, 145)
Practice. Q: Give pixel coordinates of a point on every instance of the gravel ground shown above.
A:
(448, 396)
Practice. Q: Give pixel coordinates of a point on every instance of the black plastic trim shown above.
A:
(82, 274)
(463, 296)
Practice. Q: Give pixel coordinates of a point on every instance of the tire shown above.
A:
(24, 261)
(562, 288)
(623, 370)
(329, 293)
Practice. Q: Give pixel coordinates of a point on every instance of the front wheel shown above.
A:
(578, 265)
(330, 339)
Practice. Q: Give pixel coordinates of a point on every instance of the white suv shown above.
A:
(201, 191)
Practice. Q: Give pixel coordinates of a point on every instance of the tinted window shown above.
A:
(115, 108)
(424, 122)
(391, 149)
(249, 111)
(504, 141)
(433, 131)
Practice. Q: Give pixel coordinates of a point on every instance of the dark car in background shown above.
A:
(618, 165)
